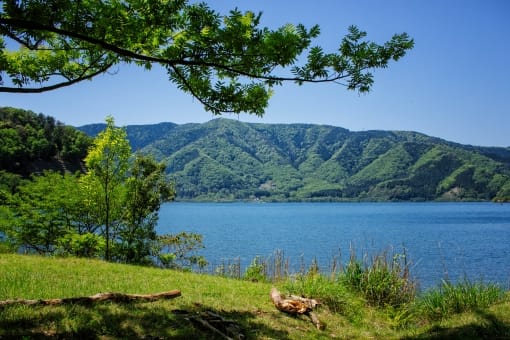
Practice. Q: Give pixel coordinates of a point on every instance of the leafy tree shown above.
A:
(146, 188)
(107, 163)
(8, 184)
(46, 215)
(42, 211)
(229, 63)
(11, 148)
(179, 251)
(112, 210)
(73, 145)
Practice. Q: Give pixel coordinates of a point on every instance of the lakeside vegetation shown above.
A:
(464, 311)
(108, 210)
(88, 207)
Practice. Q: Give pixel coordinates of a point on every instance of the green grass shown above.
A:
(347, 315)
(449, 299)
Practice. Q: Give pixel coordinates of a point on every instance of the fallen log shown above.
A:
(116, 297)
(296, 305)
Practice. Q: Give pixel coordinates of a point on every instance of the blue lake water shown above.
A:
(453, 239)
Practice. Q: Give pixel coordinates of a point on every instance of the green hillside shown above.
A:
(31, 143)
(228, 159)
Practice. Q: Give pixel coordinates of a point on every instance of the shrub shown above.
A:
(81, 245)
(180, 251)
(6, 247)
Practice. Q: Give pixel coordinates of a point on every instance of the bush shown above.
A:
(81, 245)
(6, 247)
(180, 251)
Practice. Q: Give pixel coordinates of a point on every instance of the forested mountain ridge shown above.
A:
(228, 159)
(31, 142)
(138, 135)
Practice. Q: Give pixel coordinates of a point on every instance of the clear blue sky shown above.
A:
(454, 84)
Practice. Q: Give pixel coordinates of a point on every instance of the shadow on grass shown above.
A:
(159, 320)
(489, 327)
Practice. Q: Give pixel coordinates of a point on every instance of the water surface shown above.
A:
(442, 239)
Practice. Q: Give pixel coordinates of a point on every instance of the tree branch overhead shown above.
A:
(227, 62)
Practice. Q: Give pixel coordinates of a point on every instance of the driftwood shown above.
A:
(296, 305)
(116, 297)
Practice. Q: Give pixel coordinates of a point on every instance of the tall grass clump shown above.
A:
(256, 271)
(453, 298)
(328, 290)
(331, 294)
(382, 279)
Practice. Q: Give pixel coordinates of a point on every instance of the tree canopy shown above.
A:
(111, 211)
(228, 62)
(29, 140)
(108, 164)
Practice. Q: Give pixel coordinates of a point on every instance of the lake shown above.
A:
(441, 239)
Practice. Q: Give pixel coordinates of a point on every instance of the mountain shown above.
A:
(31, 143)
(139, 135)
(228, 159)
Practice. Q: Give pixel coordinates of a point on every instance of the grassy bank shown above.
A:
(247, 303)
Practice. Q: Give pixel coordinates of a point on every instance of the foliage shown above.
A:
(42, 211)
(6, 246)
(179, 251)
(81, 245)
(453, 298)
(146, 188)
(9, 183)
(110, 212)
(28, 139)
(227, 160)
(228, 62)
(107, 163)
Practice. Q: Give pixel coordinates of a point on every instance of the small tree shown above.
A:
(180, 251)
(107, 163)
(146, 188)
